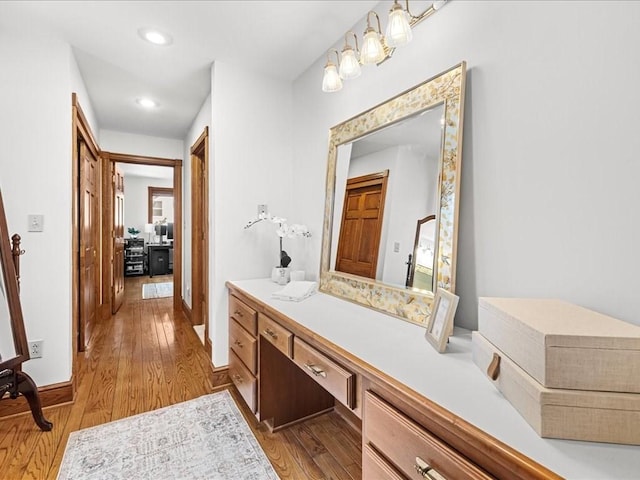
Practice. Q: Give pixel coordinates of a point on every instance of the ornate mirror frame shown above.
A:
(11, 297)
(408, 304)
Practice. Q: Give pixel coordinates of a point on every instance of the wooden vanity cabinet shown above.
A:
(243, 350)
(404, 434)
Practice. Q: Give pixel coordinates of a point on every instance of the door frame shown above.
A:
(111, 159)
(200, 235)
(80, 129)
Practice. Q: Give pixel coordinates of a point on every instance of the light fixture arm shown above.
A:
(337, 56)
(369, 21)
(416, 19)
(355, 38)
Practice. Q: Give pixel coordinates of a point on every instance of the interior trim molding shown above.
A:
(50, 395)
(186, 309)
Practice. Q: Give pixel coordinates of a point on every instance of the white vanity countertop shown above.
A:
(450, 379)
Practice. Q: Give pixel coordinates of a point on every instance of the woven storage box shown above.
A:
(558, 413)
(563, 345)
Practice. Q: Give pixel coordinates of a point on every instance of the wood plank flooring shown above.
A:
(145, 357)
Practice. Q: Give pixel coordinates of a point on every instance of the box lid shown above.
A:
(563, 324)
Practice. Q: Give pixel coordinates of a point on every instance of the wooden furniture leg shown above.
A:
(27, 387)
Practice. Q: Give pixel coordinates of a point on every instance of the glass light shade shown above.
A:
(398, 31)
(349, 65)
(372, 51)
(331, 82)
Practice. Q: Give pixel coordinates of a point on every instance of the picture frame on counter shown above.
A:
(440, 324)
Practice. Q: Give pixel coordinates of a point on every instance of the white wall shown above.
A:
(202, 120)
(35, 178)
(136, 202)
(251, 154)
(145, 145)
(549, 172)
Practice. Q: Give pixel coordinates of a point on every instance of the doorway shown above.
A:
(156, 247)
(200, 236)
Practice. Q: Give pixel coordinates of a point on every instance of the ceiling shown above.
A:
(279, 39)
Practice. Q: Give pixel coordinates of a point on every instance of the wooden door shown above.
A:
(118, 242)
(199, 237)
(361, 225)
(89, 231)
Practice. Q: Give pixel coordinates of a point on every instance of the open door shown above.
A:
(118, 241)
(89, 243)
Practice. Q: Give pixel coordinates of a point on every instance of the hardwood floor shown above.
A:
(145, 357)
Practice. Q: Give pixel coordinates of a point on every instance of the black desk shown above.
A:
(160, 257)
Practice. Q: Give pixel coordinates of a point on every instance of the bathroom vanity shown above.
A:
(418, 410)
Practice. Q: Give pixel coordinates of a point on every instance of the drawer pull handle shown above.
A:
(317, 371)
(493, 370)
(238, 313)
(238, 343)
(271, 333)
(237, 378)
(426, 471)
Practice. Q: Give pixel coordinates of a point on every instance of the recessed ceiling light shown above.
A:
(146, 102)
(155, 36)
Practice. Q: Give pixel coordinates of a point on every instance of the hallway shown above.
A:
(141, 359)
(145, 358)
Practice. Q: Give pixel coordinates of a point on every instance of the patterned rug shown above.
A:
(157, 290)
(205, 438)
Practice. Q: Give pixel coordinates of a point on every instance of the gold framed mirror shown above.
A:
(424, 122)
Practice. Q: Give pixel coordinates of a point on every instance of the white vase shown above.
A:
(280, 275)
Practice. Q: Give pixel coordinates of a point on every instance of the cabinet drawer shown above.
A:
(280, 337)
(244, 345)
(243, 314)
(335, 379)
(243, 380)
(374, 467)
(408, 445)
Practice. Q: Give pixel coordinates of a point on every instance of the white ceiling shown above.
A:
(280, 39)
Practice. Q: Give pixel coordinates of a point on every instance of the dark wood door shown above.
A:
(361, 225)
(118, 242)
(89, 231)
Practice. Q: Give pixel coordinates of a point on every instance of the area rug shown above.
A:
(157, 290)
(205, 438)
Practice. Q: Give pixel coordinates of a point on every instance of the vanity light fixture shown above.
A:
(349, 61)
(372, 48)
(156, 37)
(331, 82)
(376, 48)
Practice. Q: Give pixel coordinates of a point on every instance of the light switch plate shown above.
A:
(35, 223)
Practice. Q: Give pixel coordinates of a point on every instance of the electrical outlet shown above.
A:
(262, 209)
(35, 348)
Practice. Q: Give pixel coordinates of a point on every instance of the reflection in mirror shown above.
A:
(373, 221)
(421, 262)
(414, 142)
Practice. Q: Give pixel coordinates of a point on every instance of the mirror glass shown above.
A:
(374, 222)
(422, 261)
(7, 348)
(13, 341)
(389, 169)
